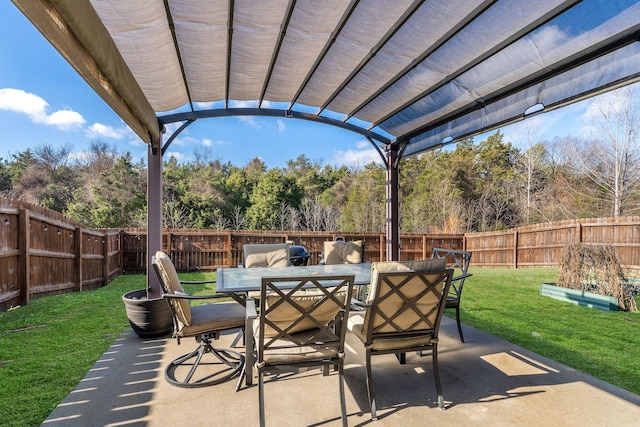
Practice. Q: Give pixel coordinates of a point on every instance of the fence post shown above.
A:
(24, 240)
(424, 247)
(121, 251)
(579, 232)
(515, 248)
(78, 259)
(105, 259)
(227, 262)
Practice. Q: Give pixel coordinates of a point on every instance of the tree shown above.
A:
(273, 189)
(43, 176)
(611, 160)
(115, 198)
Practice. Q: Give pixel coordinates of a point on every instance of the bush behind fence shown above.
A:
(45, 253)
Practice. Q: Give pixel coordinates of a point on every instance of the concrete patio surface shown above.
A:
(486, 382)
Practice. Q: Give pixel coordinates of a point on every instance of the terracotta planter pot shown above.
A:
(149, 318)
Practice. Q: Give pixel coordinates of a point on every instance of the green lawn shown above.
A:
(507, 303)
(47, 346)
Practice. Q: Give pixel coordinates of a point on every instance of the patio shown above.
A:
(486, 381)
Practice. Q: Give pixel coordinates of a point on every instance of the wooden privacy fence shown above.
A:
(541, 245)
(44, 253)
(209, 250)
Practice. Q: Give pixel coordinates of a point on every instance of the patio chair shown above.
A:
(265, 255)
(300, 324)
(342, 252)
(459, 261)
(403, 313)
(204, 323)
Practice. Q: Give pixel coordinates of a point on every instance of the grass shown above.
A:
(48, 346)
(507, 303)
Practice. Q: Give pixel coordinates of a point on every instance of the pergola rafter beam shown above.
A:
(393, 30)
(598, 50)
(191, 116)
(325, 50)
(471, 64)
(276, 51)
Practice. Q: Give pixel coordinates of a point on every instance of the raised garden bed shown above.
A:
(586, 299)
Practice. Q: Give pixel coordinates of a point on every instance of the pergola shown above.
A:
(408, 75)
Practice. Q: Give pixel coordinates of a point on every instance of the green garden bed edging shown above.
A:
(586, 299)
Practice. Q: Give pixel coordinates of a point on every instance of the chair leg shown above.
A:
(436, 376)
(234, 362)
(261, 396)
(459, 325)
(343, 403)
(372, 399)
(249, 344)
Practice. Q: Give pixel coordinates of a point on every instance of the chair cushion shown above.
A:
(219, 316)
(285, 314)
(355, 325)
(422, 265)
(343, 252)
(266, 255)
(172, 282)
(317, 346)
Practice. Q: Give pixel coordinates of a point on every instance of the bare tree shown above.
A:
(530, 162)
(611, 160)
(238, 220)
(174, 214)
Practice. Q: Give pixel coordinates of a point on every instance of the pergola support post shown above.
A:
(154, 213)
(393, 216)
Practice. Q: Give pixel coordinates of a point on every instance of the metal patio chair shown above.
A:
(300, 323)
(204, 323)
(459, 261)
(403, 314)
(342, 252)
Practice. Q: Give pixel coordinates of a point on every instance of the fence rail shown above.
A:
(44, 253)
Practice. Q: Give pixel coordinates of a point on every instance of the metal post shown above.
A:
(393, 222)
(154, 214)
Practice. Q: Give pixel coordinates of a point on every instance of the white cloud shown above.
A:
(362, 144)
(179, 156)
(210, 143)
(281, 126)
(251, 121)
(35, 107)
(356, 158)
(98, 130)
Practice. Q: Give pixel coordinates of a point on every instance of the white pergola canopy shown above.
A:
(409, 75)
(416, 73)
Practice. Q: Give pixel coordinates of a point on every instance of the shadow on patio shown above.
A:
(486, 381)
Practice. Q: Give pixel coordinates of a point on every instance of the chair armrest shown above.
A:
(250, 312)
(462, 276)
(196, 282)
(359, 303)
(194, 297)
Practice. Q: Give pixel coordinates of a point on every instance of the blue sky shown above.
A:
(44, 101)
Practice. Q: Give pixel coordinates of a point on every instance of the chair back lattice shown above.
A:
(407, 303)
(303, 311)
(457, 260)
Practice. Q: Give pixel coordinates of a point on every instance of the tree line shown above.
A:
(489, 185)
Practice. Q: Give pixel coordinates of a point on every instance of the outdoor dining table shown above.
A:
(237, 282)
